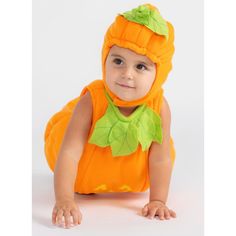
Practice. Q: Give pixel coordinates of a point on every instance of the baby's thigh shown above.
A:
(54, 140)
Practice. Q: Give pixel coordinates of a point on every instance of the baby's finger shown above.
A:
(145, 211)
(172, 213)
(76, 218)
(167, 214)
(67, 217)
(152, 213)
(54, 215)
(160, 213)
(59, 217)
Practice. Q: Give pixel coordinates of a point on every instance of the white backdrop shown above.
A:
(67, 41)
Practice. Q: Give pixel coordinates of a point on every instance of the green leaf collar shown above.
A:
(123, 133)
(151, 18)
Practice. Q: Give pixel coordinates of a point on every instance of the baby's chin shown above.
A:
(126, 96)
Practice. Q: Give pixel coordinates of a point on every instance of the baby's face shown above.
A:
(129, 75)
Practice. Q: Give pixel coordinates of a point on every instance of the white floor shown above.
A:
(119, 214)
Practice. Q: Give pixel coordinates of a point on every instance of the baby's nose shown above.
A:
(127, 73)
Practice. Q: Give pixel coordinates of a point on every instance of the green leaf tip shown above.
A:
(148, 16)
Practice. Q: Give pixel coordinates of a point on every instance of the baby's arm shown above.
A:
(66, 167)
(160, 168)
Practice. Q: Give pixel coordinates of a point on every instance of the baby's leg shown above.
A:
(53, 137)
(55, 131)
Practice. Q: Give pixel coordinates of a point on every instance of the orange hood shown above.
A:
(142, 40)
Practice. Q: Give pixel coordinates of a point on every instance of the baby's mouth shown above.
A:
(125, 86)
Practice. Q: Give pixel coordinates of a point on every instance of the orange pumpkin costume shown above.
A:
(98, 170)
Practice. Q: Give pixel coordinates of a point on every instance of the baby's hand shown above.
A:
(70, 211)
(158, 208)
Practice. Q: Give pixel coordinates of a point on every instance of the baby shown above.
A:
(115, 137)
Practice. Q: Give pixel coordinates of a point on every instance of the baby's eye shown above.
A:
(117, 61)
(141, 67)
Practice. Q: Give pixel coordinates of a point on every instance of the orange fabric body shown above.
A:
(98, 170)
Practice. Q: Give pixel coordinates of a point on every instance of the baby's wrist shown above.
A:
(157, 200)
(64, 198)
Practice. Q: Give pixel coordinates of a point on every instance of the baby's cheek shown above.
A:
(143, 90)
(110, 83)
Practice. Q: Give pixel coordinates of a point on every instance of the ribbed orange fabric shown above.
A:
(98, 170)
